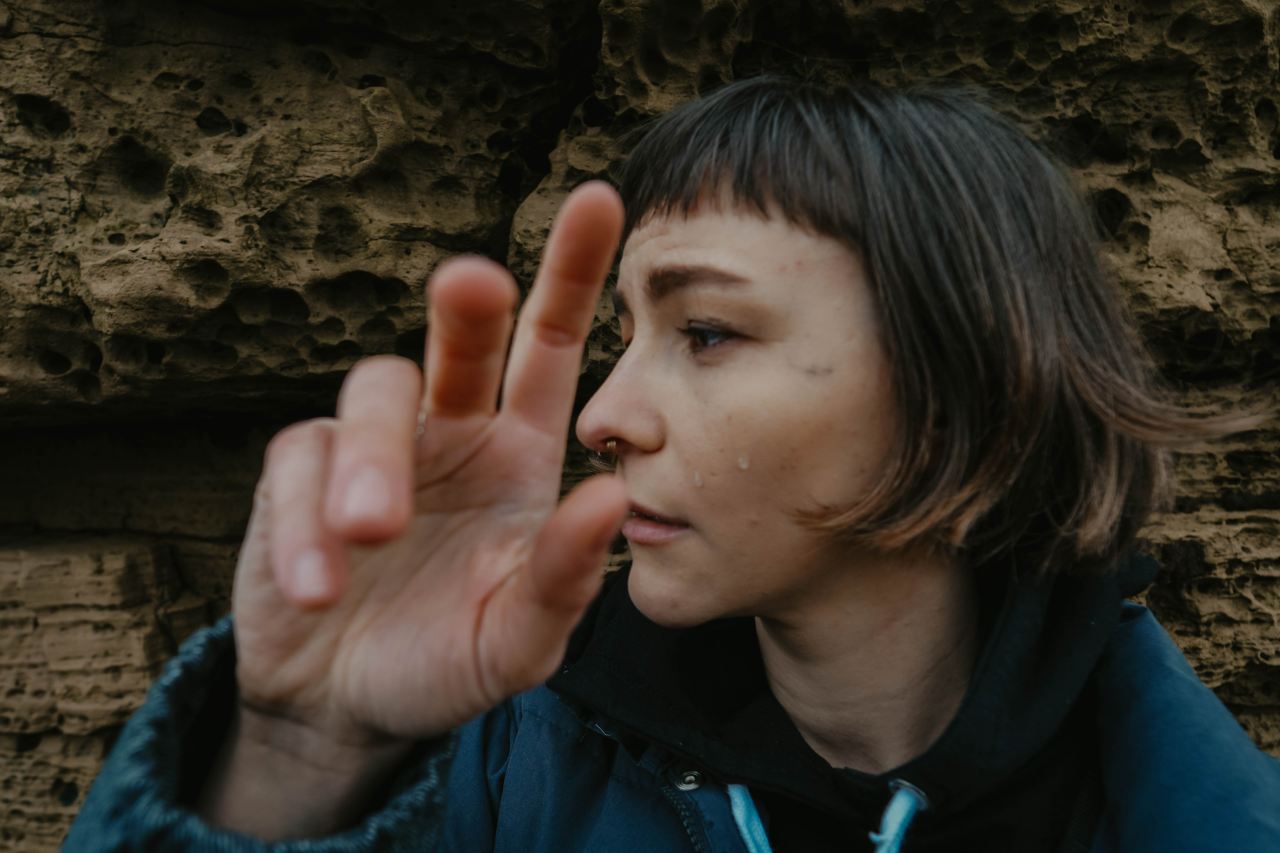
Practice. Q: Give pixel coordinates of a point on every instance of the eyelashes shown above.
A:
(700, 336)
(704, 336)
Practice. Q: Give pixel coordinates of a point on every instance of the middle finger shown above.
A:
(542, 373)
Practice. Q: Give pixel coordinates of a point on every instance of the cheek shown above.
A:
(824, 443)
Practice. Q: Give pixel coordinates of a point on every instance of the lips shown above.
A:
(643, 512)
(648, 527)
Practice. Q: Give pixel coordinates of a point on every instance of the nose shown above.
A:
(622, 409)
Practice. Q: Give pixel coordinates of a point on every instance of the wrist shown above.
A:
(278, 778)
(317, 748)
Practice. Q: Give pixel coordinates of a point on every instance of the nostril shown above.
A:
(601, 464)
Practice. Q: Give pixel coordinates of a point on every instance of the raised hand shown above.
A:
(407, 565)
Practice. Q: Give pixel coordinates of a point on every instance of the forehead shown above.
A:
(746, 257)
(727, 235)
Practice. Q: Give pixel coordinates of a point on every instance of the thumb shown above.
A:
(527, 625)
(568, 556)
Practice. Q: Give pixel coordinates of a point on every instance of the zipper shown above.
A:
(686, 818)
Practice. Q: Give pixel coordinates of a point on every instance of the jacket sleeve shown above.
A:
(136, 803)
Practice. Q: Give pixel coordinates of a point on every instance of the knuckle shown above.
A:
(557, 334)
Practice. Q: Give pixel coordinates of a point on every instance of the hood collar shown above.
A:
(702, 694)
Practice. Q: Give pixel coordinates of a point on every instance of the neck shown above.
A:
(872, 665)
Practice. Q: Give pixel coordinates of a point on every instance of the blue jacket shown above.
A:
(1178, 774)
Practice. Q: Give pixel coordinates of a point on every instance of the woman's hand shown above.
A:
(407, 566)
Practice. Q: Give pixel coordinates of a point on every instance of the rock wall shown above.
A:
(210, 210)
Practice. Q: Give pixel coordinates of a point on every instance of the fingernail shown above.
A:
(368, 496)
(310, 580)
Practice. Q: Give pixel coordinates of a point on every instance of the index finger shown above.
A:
(542, 373)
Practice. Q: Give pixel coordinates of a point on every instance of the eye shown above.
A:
(704, 336)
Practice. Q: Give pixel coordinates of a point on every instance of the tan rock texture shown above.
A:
(210, 210)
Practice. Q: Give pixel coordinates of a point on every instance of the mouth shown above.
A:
(646, 527)
(643, 512)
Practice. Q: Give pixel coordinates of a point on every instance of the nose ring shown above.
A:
(611, 446)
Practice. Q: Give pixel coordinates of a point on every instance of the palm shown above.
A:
(473, 597)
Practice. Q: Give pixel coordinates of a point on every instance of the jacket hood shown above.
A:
(701, 692)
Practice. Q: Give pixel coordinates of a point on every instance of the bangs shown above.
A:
(771, 148)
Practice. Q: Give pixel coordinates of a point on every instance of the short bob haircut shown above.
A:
(1032, 430)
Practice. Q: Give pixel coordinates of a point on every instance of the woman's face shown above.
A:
(754, 384)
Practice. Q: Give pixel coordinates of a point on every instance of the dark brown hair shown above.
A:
(1032, 427)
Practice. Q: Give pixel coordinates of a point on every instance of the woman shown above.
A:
(883, 442)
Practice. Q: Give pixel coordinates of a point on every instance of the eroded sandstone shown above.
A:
(209, 211)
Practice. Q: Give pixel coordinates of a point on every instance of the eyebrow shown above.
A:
(664, 281)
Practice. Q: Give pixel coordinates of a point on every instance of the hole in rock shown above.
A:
(998, 55)
(335, 353)
(53, 363)
(126, 350)
(378, 327)
(318, 61)
(87, 385)
(140, 170)
(251, 305)
(1086, 137)
(331, 330)
(41, 115)
(1165, 132)
(1185, 27)
(1265, 110)
(499, 142)
(652, 63)
(233, 333)
(412, 344)
(68, 793)
(205, 219)
(338, 233)
(709, 78)
(1112, 207)
(213, 121)
(287, 306)
(207, 277)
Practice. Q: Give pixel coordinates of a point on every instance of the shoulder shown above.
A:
(1178, 771)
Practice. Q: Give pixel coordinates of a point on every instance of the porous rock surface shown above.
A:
(210, 210)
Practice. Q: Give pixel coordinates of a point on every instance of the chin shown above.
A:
(664, 599)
